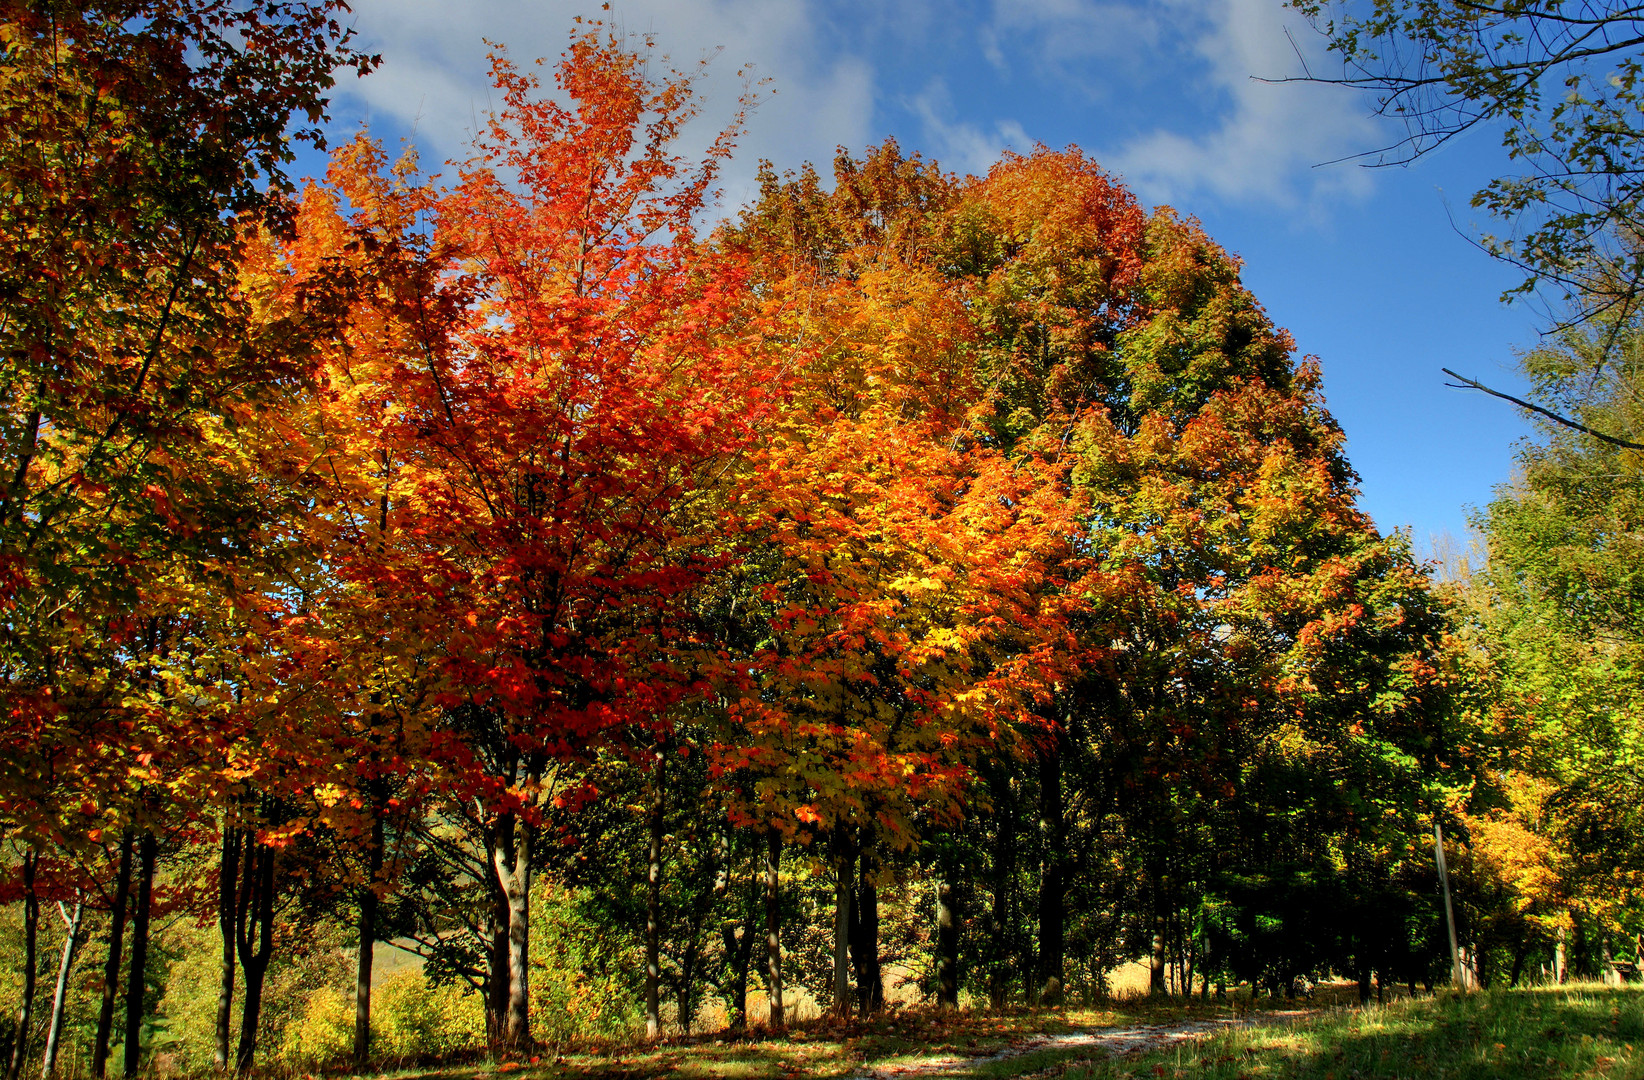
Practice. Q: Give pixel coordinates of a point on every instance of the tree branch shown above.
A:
(1467, 384)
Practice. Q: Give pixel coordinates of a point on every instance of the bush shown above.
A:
(412, 1020)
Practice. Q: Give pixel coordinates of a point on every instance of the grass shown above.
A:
(1537, 1034)
(828, 1049)
(1541, 1034)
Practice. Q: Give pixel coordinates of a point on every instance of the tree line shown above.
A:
(943, 580)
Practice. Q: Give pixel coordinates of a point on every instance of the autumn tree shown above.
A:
(138, 139)
(554, 433)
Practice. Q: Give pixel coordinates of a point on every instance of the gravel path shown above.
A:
(1113, 1042)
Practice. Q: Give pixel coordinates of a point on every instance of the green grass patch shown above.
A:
(1537, 1034)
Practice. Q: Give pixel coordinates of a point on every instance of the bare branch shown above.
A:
(1470, 384)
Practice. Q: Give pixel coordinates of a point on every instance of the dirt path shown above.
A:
(1112, 1042)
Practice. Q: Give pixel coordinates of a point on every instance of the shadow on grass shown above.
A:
(826, 1048)
(1538, 1034)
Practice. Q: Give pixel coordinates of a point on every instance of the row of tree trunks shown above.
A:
(73, 924)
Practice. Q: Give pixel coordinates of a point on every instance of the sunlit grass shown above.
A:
(1542, 1034)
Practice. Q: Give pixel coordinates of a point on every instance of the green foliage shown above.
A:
(414, 1021)
(303, 985)
(586, 969)
(1560, 611)
(1560, 79)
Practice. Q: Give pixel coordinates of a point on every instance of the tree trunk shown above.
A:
(1189, 956)
(842, 928)
(111, 967)
(870, 986)
(739, 949)
(1052, 878)
(947, 945)
(1156, 976)
(367, 933)
(511, 860)
(254, 934)
(653, 904)
(1561, 966)
(1004, 872)
(773, 926)
(59, 997)
(496, 968)
(31, 931)
(1449, 910)
(136, 980)
(228, 875)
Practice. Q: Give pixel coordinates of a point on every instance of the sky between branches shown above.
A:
(1372, 270)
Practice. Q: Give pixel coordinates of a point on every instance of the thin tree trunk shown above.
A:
(367, 933)
(228, 873)
(255, 934)
(653, 903)
(739, 949)
(31, 930)
(870, 985)
(1156, 978)
(842, 930)
(496, 969)
(1004, 871)
(1052, 879)
(1157, 958)
(59, 997)
(1449, 909)
(511, 859)
(111, 967)
(136, 980)
(773, 926)
(1189, 956)
(947, 945)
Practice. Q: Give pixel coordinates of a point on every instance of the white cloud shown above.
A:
(1178, 72)
(1263, 140)
(1080, 43)
(435, 75)
(961, 146)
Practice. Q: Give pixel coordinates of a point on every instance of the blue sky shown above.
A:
(1371, 269)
